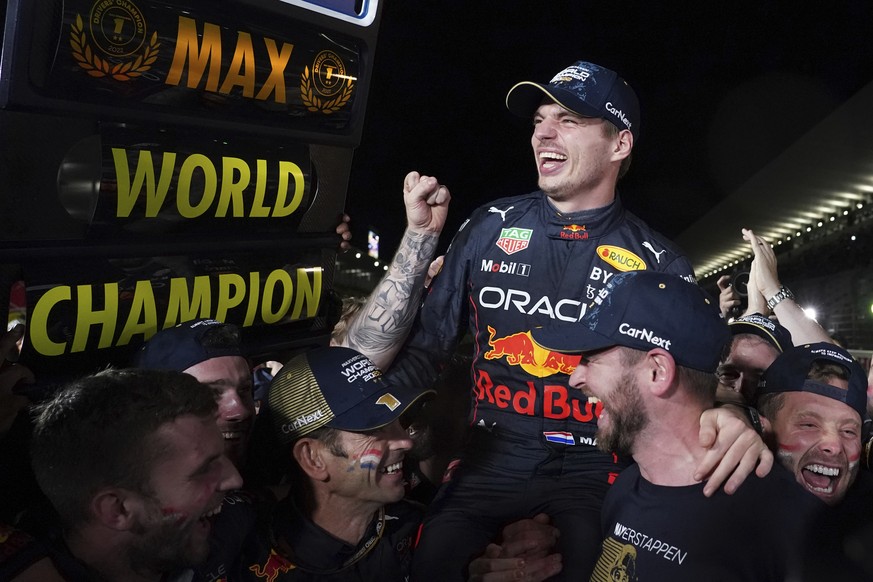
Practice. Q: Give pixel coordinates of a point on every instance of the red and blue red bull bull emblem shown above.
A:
(521, 350)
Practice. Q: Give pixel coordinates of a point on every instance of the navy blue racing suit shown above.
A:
(516, 264)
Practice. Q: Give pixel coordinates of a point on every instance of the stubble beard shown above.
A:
(164, 546)
(627, 418)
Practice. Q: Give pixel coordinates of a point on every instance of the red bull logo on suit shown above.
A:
(520, 349)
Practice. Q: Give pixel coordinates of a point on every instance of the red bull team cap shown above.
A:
(644, 310)
(583, 88)
(336, 387)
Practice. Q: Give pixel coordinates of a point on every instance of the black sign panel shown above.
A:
(175, 160)
(269, 67)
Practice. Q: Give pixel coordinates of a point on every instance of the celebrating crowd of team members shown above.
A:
(619, 424)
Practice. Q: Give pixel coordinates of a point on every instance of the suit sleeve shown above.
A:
(682, 267)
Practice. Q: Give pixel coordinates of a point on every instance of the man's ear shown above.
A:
(624, 143)
(115, 508)
(309, 454)
(660, 370)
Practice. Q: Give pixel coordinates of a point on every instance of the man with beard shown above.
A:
(134, 463)
(649, 354)
(211, 352)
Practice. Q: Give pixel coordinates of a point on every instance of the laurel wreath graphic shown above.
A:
(98, 67)
(313, 103)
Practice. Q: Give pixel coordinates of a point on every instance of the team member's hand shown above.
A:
(435, 267)
(345, 233)
(763, 265)
(756, 301)
(427, 203)
(525, 554)
(728, 298)
(735, 450)
(530, 538)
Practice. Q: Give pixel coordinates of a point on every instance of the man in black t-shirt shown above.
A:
(648, 356)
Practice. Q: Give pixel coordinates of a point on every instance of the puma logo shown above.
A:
(657, 254)
(502, 213)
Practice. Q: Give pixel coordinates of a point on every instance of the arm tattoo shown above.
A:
(381, 327)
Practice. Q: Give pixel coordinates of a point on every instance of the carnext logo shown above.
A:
(618, 113)
(644, 335)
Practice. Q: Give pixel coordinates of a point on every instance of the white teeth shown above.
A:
(593, 399)
(552, 156)
(232, 435)
(828, 489)
(822, 470)
(213, 511)
(394, 468)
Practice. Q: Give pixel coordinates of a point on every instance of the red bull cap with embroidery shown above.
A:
(336, 387)
(583, 88)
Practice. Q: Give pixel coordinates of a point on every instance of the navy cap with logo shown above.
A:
(187, 344)
(335, 387)
(763, 327)
(583, 88)
(644, 310)
(789, 372)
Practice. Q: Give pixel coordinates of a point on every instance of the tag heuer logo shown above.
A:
(513, 240)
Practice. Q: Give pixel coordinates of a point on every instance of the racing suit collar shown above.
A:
(582, 225)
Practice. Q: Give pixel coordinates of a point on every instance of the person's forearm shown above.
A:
(804, 329)
(381, 327)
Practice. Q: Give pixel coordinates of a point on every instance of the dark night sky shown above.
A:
(724, 87)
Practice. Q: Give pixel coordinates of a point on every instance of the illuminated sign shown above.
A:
(234, 175)
(119, 317)
(222, 61)
(166, 164)
(131, 181)
(100, 310)
(172, 176)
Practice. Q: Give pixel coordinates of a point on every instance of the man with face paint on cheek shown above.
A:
(814, 397)
(133, 461)
(338, 427)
